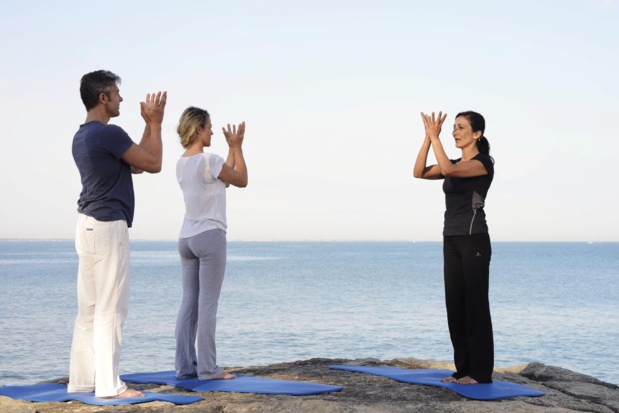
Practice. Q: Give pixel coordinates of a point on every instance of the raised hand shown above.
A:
(153, 108)
(234, 135)
(433, 124)
(142, 109)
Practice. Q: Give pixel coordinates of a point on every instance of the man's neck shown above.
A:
(97, 114)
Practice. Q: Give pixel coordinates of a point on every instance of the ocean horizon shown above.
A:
(284, 301)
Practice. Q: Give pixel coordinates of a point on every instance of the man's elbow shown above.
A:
(150, 164)
(154, 168)
(156, 165)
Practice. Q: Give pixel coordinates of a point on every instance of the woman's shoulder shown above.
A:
(483, 156)
(214, 161)
(486, 160)
(199, 157)
(211, 156)
(185, 164)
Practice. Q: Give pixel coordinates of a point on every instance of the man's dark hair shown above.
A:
(95, 83)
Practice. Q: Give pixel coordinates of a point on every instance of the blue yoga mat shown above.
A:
(241, 384)
(53, 392)
(429, 377)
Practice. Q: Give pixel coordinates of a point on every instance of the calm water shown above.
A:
(555, 303)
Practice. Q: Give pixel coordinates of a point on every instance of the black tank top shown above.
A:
(465, 200)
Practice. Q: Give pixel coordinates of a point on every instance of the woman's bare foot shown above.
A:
(127, 394)
(224, 376)
(449, 379)
(467, 380)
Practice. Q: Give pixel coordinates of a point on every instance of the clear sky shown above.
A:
(331, 93)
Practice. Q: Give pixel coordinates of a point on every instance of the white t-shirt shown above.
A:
(204, 194)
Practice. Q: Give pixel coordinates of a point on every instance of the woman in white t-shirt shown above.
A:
(203, 178)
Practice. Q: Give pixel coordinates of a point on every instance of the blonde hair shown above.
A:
(191, 120)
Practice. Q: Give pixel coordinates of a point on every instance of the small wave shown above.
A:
(250, 258)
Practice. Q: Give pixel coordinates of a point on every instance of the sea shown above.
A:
(553, 303)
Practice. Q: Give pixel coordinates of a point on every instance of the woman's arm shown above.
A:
(462, 169)
(230, 161)
(421, 170)
(234, 171)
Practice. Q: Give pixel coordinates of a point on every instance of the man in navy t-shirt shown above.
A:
(106, 157)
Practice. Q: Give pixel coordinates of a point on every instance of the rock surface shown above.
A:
(566, 391)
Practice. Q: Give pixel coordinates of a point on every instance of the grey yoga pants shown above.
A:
(203, 264)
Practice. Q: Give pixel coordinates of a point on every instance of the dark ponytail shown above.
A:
(478, 123)
(483, 145)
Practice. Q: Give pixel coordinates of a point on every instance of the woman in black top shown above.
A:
(466, 243)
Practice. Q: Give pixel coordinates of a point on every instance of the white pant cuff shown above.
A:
(80, 389)
(112, 393)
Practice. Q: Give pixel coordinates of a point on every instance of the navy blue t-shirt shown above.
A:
(107, 186)
(465, 199)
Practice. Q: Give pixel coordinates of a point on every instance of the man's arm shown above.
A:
(148, 155)
(144, 143)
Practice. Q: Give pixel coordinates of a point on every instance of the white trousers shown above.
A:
(102, 301)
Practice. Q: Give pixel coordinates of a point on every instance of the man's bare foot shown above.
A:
(224, 376)
(467, 380)
(449, 379)
(127, 394)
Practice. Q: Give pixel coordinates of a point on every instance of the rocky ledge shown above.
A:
(566, 391)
